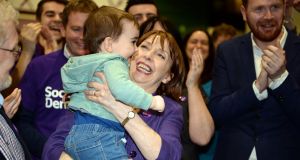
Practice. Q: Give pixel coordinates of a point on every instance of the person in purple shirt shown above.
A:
(42, 89)
(39, 38)
(157, 67)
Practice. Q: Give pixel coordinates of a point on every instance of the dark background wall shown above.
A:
(188, 14)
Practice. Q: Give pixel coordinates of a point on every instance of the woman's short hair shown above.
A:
(173, 88)
(167, 25)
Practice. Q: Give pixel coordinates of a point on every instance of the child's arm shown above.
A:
(126, 91)
(158, 104)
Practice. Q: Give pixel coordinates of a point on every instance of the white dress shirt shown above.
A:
(1, 100)
(257, 53)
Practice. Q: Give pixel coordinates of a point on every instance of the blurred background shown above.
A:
(185, 14)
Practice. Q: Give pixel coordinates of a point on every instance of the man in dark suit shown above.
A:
(255, 93)
(11, 145)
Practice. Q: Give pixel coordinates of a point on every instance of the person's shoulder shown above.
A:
(245, 38)
(45, 62)
(234, 45)
(293, 37)
(47, 58)
(172, 105)
(54, 55)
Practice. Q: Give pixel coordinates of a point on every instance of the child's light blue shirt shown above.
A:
(78, 71)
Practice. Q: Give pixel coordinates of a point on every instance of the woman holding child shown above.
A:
(157, 67)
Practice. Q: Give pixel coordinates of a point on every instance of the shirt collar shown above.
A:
(1, 100)
(282, 40)
(67, 53)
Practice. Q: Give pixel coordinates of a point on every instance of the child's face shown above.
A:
(125, 45)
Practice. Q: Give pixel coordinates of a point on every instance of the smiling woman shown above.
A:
(158, 68)
(167, 55)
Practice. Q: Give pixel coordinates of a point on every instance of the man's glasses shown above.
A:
(16, 51)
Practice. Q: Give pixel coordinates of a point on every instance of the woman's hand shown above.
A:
(100, 93)
(12, 102)
(196, 69)
(143, 136)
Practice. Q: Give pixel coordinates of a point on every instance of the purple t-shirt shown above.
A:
(167, 124)
(39, 51)
(42, 91)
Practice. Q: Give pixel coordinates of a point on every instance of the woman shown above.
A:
(157, 67)
(199, 125)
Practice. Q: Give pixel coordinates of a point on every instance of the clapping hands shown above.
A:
(273, 65)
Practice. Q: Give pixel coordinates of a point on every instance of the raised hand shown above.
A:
(262, 81)
(12, 102)
(196, 68)
(48, 41)
(29, 34)
(274, 60)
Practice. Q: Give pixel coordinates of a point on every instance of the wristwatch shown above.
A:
(130, 115)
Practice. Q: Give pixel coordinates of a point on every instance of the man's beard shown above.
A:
(257, 30)
(6, 83)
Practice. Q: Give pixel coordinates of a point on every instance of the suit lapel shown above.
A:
(8, 121)
(247, 59)
(291, 47)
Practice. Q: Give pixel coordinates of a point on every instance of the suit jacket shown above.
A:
(26, 152)
(271, 125)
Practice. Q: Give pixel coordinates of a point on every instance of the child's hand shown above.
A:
(158, 104)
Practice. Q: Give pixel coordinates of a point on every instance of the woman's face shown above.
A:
(197, 40)
(150, 66)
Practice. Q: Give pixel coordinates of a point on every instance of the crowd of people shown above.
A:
(97, 82)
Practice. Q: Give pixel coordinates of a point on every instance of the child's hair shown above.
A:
(104, 22)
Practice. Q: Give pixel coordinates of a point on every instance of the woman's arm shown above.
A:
(151, 144)
(201, 125)
(54, 147)
(164, 141)
(147, 140)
